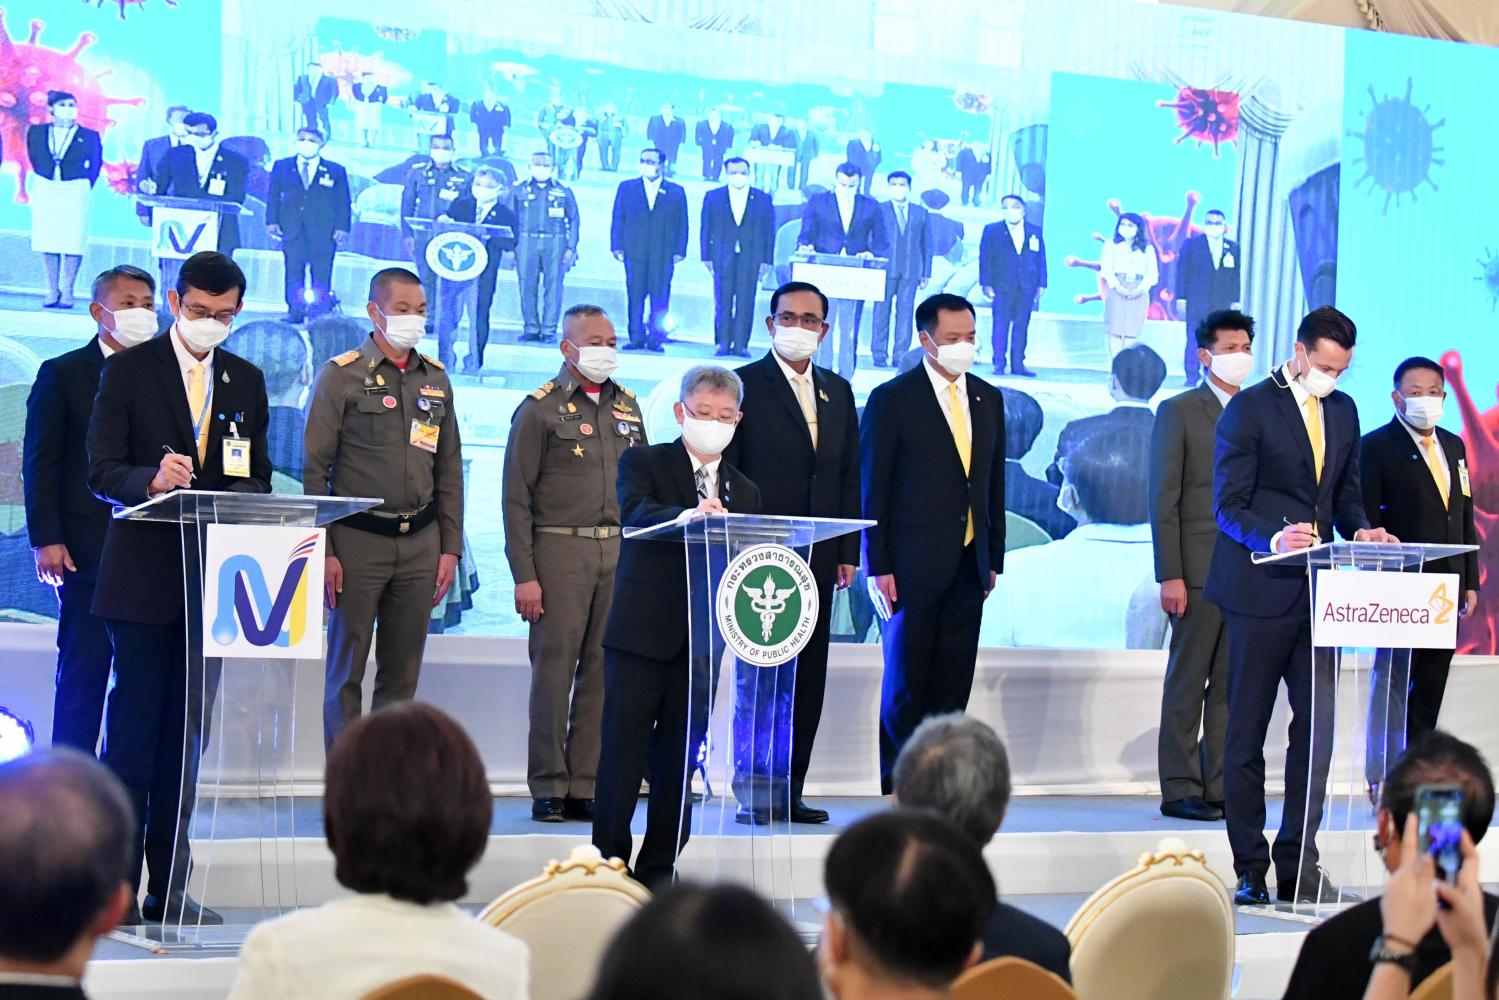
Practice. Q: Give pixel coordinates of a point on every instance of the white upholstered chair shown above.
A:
(1010, 978)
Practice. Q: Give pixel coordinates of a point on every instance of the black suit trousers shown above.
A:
(1263, 652)
(479, 336)
(83, 659)
(1012, 324)
(648, 276)
(734, 301)
(304, 252)
(930, 645)
(900, 298)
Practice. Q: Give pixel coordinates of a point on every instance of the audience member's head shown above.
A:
(910, 895)
(65, 857)
(282, 353)
(1023, 422)
(707, 943)
(332, 335)
(1434, 758)
(1106, 477)
(1136, 373)
(956, 766)
(406, 805)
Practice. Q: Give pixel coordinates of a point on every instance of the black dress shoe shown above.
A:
(1312, 887)
(549, 810)
(803, 813)
(1192, 807)
(719, 352)
(656, 348)
(1251, 890)
(1023, 372)
(579, 809)
(132, 917)
(747, 816)
(528, 338)
(631, 345)
(1216, 804)
(177, 907)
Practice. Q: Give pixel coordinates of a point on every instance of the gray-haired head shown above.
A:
(712, 378)
(956, 766)
(120, 272)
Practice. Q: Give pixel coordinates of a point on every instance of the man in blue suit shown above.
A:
(843, 221)
(1285, 473)
(648, 233)
(309, 210)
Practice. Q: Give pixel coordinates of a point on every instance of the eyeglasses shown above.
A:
(709, 416)
(198, 312)
(807, 321)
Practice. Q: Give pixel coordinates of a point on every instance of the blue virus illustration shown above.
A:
(1399, 146)
(1488, 276)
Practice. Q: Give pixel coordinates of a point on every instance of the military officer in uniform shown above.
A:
(562, 540)
(430, 189)
(546, 249)
(381, 424)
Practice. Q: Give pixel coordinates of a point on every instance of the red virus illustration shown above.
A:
(1478, 632)
(1168, 234)
(1399, 146)
(27, 71)
(1205, 116)
(125, 5)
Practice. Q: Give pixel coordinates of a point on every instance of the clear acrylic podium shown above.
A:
(739, 745)
(1357, 731)
(238, 809)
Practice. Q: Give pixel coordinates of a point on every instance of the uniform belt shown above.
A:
(595, 531)
(392, 524)
(549, 236)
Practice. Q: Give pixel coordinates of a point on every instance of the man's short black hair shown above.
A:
(929, 307)
(660, 156)
(120, 272)
(736, 159)
(914, 891)
(175, 109)
(797, 286)
(1023, 422)
(387, 276)
(316, 133)
(1139, 371)
(196, 119)
(1110, 469)
(1214, 211)
(850, 169)
(1439, 758)
(212, 272)
(1418, 363)
(1222, 319)
(1327, 323)
(1012, 197)
(898, 175)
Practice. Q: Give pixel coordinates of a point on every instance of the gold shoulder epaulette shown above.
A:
(542, 390)
(622, 389)
(434, 362)
(346, 358)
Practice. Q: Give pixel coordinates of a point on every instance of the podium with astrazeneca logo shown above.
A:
(253, 580)
(752, 606)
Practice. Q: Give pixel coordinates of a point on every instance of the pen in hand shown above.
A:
(168, 449)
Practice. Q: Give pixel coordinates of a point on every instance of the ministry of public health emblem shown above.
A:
(457, 256)
(766, 605)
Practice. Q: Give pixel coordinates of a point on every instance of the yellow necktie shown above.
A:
(809, 409)
(1429, 445)
(196, 394)
(965, 447)
(1314, 432)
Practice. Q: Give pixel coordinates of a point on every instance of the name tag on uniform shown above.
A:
(424, 435)
(1462, 477)
(326, 182)
(1228, 260)
(1035, 245)
(555, 212)
(237, 457)
(216, 187)
(447, 194)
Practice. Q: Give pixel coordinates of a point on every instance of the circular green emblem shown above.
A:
(766, 605)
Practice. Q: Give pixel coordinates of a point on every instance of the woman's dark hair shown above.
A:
(406, 807)
(54, 96)
(707, 943)
(1139, 242)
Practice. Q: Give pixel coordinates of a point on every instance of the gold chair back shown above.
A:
(424, 988)
(1009, 977)
(1437, 986)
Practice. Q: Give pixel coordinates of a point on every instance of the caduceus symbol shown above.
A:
(767, 601)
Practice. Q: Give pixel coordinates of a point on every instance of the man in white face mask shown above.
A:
(738, 231)
(309, 209)
(546, 248)
(648, 233)
(655, 692)
(1207, 279)
(486, 204)
(1285, 474)
(562, 536)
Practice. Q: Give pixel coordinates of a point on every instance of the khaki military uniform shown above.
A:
(429, 191)
(562, 528)
(376, 431)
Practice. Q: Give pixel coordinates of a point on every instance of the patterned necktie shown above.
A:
(965, 447)
(1429, 445)
(196, 397)
(900, 216)
(809, 409)
(1314, 432)
(702, 482)
(307, 173)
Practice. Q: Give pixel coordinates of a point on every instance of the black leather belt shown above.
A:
(392, 524)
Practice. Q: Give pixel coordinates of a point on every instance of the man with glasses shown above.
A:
(799, 442)
(202, 168)
(649, 234)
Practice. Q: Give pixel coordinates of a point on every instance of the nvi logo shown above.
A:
(172, 237)
(245, 607)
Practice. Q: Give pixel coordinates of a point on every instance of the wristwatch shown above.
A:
(1381, 952)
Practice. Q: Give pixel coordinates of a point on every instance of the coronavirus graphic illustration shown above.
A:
(1399, 146)
(1205, 116)
(125, 5)
(1488, 275)
(27, 71)
(1168, 234)
(1477, 633)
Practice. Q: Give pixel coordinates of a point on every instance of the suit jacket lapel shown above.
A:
(1285, 402)
(176, 396)
(781, 389)
(981, 441)
(936, 410)
(682, 476)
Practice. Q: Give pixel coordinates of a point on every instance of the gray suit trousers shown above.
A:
(1194, 704)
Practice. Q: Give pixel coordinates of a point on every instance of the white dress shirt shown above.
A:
(185, 362)
(738, 199)
(205, 158)
(1017, 235)
(308, 169)
(791, 377)
(1299, 393)
(346, 949)
(845, 207)
(104, 348)
(1418, 437)
(1223, 397)
(1215, 251)
(652, 188)
(940, 387)
(1118, 259)
(710, 481)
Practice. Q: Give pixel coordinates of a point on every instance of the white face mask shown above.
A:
(1127, 234)
(1233, 368)
(706, 437)
(739, 181)
(1214, 230)
(485, 194)
(202, 335)
(596, 363)
(899, 192)
(307, 149)
(1067, 500)
(1316, 381)
(542, 174)
(794, 343)
(63, 114)
(201, 141)
(650, 170)
(441, 157)
(1014, 215)
(404, 330)
(957, 358)
(1423, 412)
(132, 326)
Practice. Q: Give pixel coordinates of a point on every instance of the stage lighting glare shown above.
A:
(16, 736)
(309, 295)
(668, 324)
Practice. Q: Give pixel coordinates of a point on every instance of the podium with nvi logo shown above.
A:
(253, 576)
(1371, 603)
(180, 227)
(751, 608)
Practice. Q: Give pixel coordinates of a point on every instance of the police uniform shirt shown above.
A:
(547, 208)
(430, 190)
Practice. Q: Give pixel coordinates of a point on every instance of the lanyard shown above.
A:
(203, 413)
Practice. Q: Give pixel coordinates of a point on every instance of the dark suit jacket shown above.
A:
(322, 93)
(655, 484)
(1074, 431)
(152, 153)
(1035, 500)
(84, 156)
(1005, 271)
(1204, 286)
(54, 461)
(449, 108)
(756, 234)
(772, 447)
(465, 208)
(822, 226)
(316, 211)
(706, 138)
(1182, 527)
(914, 486)
(177, 176)
(867, 160)
(32, 991)
(487, 118)
(1262, 478)
(973, 169)
(666, 137)
(141, 407)
(784, 137)
(641, 232)
(1012, 931)
(1401, 497)
(911, 248)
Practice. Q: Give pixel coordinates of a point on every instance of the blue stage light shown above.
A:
(667, 324)
(309, 295)
(16, 736)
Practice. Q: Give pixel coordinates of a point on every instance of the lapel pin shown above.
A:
(225, 378)
(822, 395)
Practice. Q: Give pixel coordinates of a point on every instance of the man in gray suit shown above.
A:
(910, 232)
(1194, 702)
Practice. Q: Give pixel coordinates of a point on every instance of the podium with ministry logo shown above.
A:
(458, 253)
(253, 577)
(752, 606)
(1371, 603)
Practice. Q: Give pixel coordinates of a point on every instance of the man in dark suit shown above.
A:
(491, 117)
(715, 137)
(656, 674)
(202, 168)
(314, 91)
(435, 100)
(1415, 480)
(843, 221)
(1194, 699)
(932, 447)
(773, 132)
(1012, 272)
(910, 235)
(737, 235)
(648, 233)
(156, 428)
(484, 204)
(799, 443)
(308, 208)
(666, 132)
(974, 166)
(1031, 498)
(863, 152)
(1285, 472)
(64, 521)
(1135, 376)
(1207, 279)
(155, 148)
